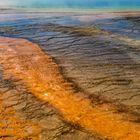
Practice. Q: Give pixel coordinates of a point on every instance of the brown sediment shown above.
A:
(128, 13)
(25, 60)
(15, 127)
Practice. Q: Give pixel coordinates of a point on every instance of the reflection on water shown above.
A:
(100, 63)
(113, 22)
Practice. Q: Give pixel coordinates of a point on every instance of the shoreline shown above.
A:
(47, 84)
(70, 10)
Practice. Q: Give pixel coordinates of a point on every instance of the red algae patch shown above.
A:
(26, 61)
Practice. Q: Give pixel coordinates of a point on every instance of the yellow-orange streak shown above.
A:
(25, 60)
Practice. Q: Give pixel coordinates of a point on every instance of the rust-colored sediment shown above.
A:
(13, 127)
(25, 60)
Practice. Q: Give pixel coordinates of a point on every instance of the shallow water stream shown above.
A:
(100, 63)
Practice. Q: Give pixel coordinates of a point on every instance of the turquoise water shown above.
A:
(97, 4)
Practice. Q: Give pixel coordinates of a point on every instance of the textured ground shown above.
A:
(23, 63)
(103, 65)
(23, 116)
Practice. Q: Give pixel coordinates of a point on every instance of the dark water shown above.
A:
(101, 64)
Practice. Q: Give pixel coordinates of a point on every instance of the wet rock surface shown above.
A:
(23, 116)
(24, 61)
(100, 63)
